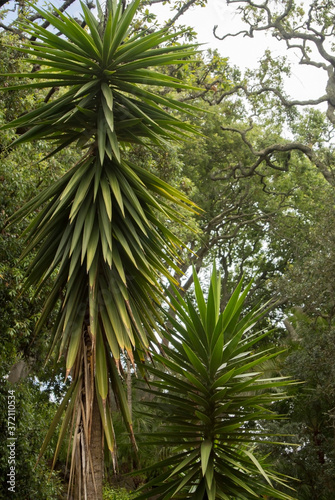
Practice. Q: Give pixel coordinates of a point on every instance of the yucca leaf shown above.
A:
(258, 465)
(108, 95)
(131, 196)
(149, 77)
(108, 115)
(97, 175)
(184, 462)
(49, 305)
(121, 29)
(72, 391)
(223, 379)
(70, 29)
(116, 11)
(155, 60)
(197, 383)
(116, 189)
(93, 25)
(106, 251)
(107, 37)
(115, 321)
(235, 306)
(190, 474)
(114, 143)
(69, 75)
(109, 431)
(216, 355)
(124, 244)
(119, 392)
(88, 225)
(195, 361)
(63, 244)
(110, 335)
(118, 264)
(93, 308)
(82, 191)
(199, 296)
(123, 313)
(76, 177)
(134, 47)
(75, 338)
(39, 231)
(133, 234)
(151, 98)
(196, 323)
(105, 223)
(210, 485)
(205, 449)
(101, 367)
(40, 54)
(74, 260)
(106, 197)
(128, 50)
(134, 216)
(213, 304)
(78, 228)
(92, 246)
(64, 428)
(101, 135)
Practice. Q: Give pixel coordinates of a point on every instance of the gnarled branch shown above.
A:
(264, 155)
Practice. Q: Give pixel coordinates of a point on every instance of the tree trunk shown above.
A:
(18, 371)
(94, 482)
(129, 388)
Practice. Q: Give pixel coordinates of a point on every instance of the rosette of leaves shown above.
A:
(97, 231)
(212, 396)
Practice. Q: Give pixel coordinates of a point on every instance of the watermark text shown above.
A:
(11, 445)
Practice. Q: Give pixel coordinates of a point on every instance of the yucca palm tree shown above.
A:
(98, 234)
(213, 397)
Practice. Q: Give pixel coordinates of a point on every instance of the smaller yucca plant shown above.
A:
(209, 391)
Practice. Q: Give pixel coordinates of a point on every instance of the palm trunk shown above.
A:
(129, 388)
(94, 481)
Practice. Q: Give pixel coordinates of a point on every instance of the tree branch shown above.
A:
(265, 154)
(180, 12)
(261, 18)
(12, 30)
(152, 2)
(62, 8)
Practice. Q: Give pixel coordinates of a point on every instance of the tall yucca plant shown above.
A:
(98, 231)
(213, 398)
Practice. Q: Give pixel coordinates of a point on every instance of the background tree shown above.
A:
(306, 29)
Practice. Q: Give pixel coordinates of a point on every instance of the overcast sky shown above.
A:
(245, 52)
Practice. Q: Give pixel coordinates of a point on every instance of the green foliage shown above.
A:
(307, 281)
(310, 410)
(111, 493)
(213, 400)
(33, 412)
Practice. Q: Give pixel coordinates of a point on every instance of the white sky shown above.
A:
(305, 82)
